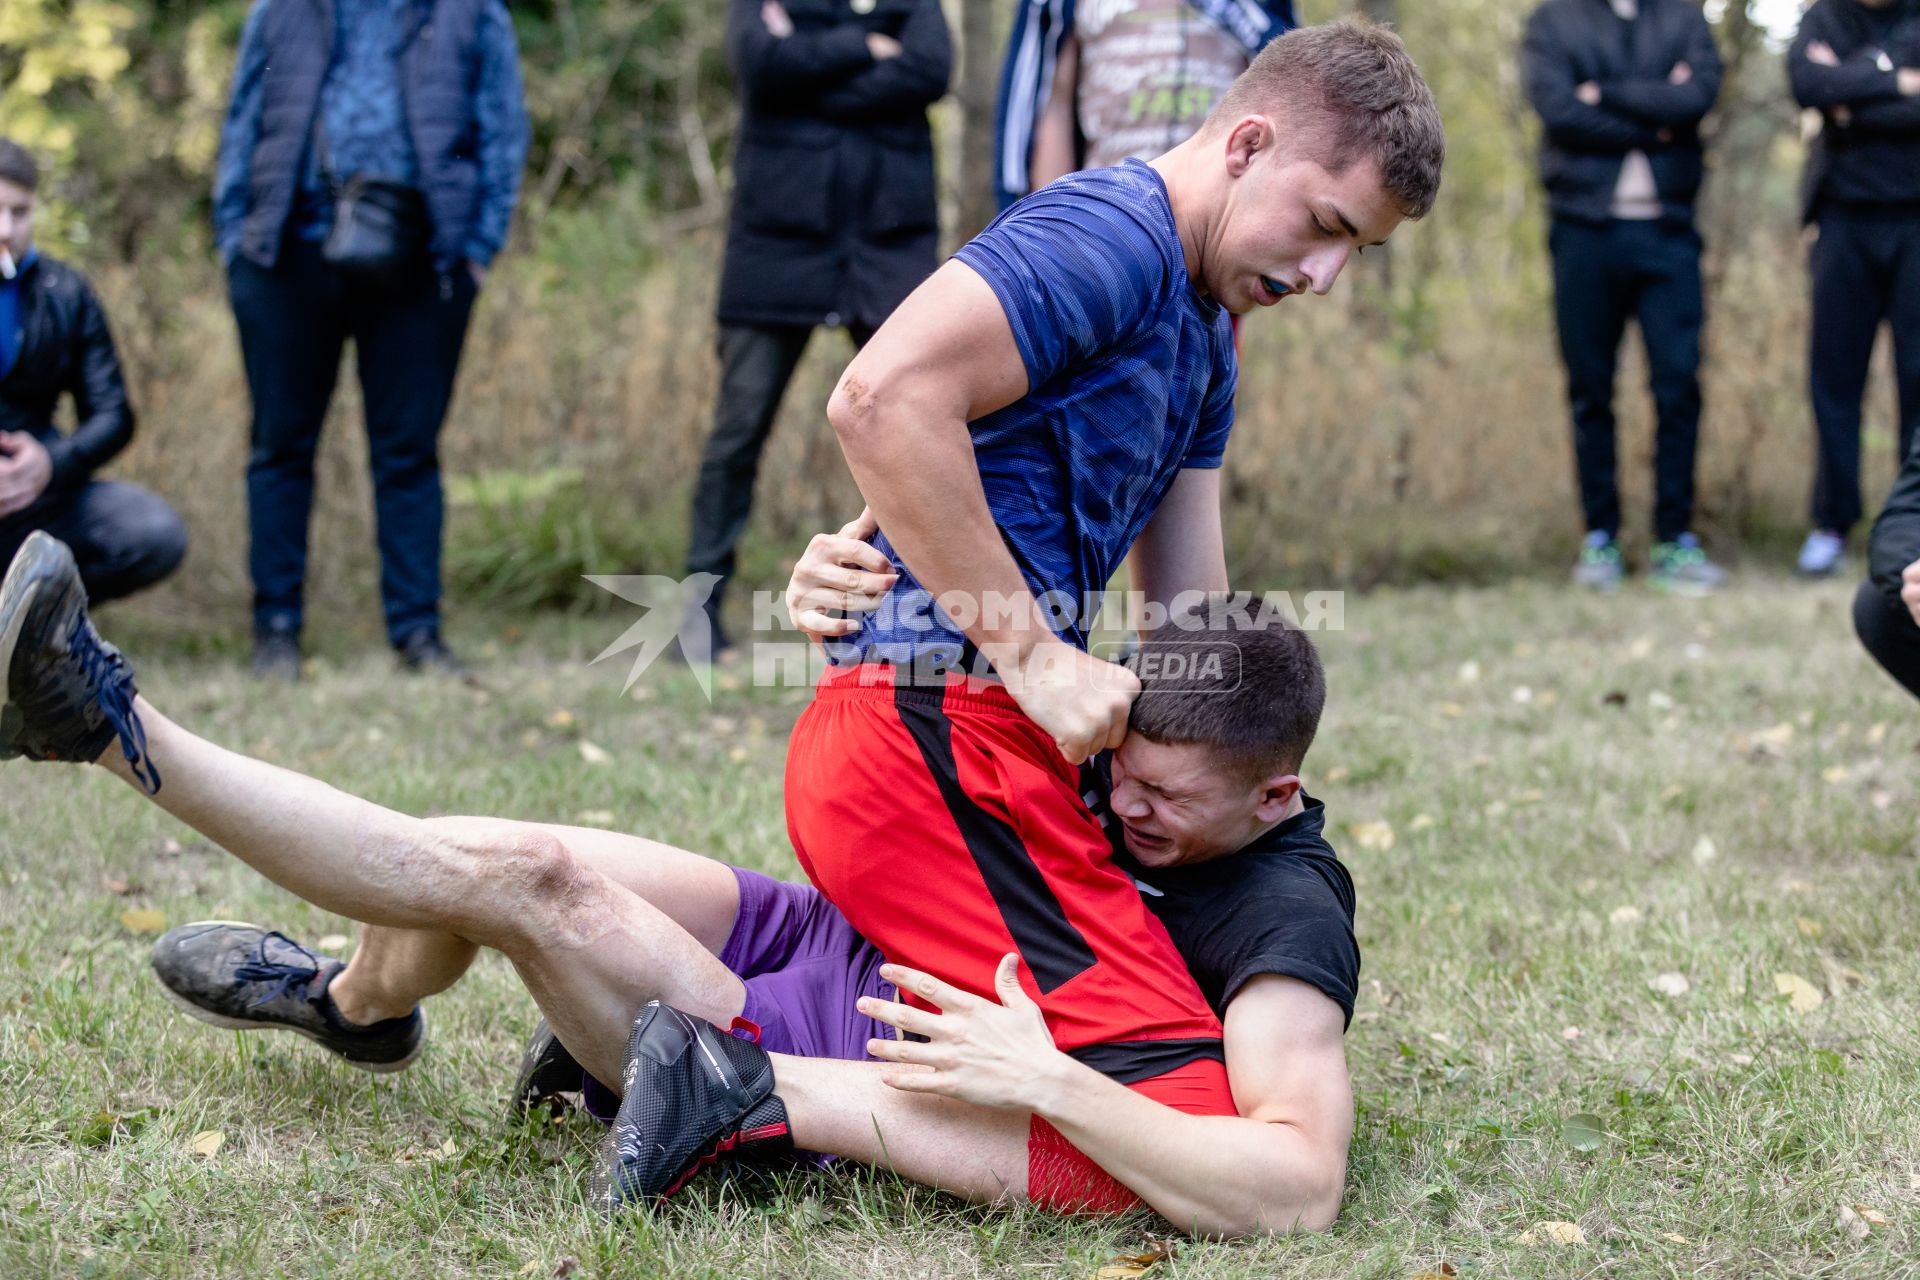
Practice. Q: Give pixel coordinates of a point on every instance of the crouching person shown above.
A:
(53, 342)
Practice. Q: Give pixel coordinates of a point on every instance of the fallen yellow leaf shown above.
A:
(593, 754)
(1624, 915)
(1554, 1233)
(1421, 821)
(1835, 774)
(143, 920)
(207, 1143)
(1674, 1237)
(1372, 835)
(1808, 928)
(1801, 994)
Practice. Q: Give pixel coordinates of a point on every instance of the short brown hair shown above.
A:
(17, 166)
(1258, 710)
(1358, 94)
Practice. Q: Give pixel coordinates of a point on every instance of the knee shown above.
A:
(540, 884)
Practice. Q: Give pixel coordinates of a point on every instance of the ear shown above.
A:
(1276, 797)
(1247, 139)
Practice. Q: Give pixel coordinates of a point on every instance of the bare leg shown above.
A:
(591, 952)
(392, 970)
(846, 1109)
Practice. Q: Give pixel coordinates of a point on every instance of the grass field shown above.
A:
(1548, 803)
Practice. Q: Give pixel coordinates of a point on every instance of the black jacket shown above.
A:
(1570, 42)
(1868, 151)
(834, 219)
(65, 347)
(1895, 542)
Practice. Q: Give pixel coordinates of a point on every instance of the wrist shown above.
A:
(1051, 1087)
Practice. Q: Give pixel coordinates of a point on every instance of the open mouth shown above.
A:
(1270, 291)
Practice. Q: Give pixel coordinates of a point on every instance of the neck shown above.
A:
(1177, 168)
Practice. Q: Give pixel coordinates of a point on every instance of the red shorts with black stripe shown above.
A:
(946, 827)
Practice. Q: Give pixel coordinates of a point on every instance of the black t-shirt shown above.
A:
(1282, 905)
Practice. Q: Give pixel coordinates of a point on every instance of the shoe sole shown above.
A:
(225, 1023)
(30, 555)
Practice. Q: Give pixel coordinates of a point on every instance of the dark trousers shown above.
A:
(756, 363)
(1887, 630)
(1865, 270)
(124, 538)
(1604, 273)
(294, 322)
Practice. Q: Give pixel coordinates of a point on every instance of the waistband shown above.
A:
(887, 682)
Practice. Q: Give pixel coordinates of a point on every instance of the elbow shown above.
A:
(854, 410)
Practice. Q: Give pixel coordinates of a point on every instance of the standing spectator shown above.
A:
(1858, 63)
(1886, 610)
(53, 342)
(1088, 83)
(1621, 88)
(833, 222)
(368, 167)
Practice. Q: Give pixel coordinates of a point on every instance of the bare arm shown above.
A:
(1056, 135)
(1279, 1166)
(946, 357)
(1181, 549)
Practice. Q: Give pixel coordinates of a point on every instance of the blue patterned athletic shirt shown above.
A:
(1131, 377)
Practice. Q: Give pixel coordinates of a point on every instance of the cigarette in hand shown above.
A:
(7, 268)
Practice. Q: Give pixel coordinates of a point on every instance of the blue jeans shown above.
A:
(1604, 273)
(124, 538)
(294, 323)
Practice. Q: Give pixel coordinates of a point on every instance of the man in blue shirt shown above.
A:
(54, 342)
(421, 99)
(1053, 401)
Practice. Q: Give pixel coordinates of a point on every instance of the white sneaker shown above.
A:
(1821, 553)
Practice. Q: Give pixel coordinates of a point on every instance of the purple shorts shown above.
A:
(804, 967)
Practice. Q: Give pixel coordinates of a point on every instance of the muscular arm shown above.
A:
(1055, 135)
(1278, 1166)
(1182, 549)
(946, 357)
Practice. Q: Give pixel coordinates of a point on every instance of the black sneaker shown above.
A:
(548, 1077)
(276, 652)
(243, 978)
(64, 692)
(424, 651)
(692, 1093)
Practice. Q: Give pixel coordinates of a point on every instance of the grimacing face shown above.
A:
(16, 218)
(1288, 226)
(1179, 804)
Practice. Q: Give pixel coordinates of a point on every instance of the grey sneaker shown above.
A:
(1821, 553)
(1681, 568)
(1600, 566)
(65, 693)
(241, 977)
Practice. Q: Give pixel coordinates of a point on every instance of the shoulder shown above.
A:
(59, 279)
(1119, 213)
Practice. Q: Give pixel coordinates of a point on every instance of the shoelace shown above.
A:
(261, 969)
(110, 687)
